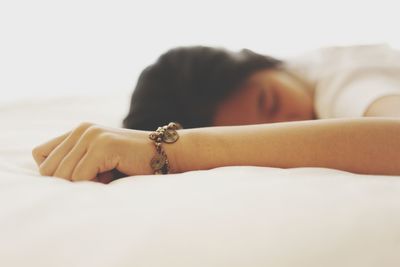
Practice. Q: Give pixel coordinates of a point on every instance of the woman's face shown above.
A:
(268, 96)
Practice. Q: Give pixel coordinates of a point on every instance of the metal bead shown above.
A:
(170, 136)
(167, 133)
(153, 136)
(158, 147)
(158, 161)
(175, 125)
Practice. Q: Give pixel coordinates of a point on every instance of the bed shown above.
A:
(229, 216)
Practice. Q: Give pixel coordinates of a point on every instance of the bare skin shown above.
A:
(290, 137)
(269, 96)
(90, 152)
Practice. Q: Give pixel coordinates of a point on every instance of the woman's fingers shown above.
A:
(87, 168)
(95, 161)
(90, 152)
(53, 160)
(69, 162)
(41, 152)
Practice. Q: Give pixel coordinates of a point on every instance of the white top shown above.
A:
(346, 79)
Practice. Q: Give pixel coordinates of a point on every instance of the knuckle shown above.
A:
(93, 130)
(84, 125)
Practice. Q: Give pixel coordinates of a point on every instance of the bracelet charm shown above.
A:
(167, 134)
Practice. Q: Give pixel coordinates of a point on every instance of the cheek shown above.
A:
(296, 105)
(238, 113)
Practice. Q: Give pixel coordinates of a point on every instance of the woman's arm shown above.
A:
(359, 145)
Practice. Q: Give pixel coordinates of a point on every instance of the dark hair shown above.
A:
(186, 84)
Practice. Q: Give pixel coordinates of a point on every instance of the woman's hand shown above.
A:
(91, 152)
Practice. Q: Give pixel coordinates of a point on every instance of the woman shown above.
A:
(303, 112)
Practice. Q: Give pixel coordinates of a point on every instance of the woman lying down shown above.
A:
(335, 107)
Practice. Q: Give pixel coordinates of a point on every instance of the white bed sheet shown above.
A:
(232, 216)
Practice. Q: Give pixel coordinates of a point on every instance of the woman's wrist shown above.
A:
(162, 136)
(175, 152)
(194, 150)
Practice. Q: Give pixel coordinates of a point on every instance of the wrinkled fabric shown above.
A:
(231, 216)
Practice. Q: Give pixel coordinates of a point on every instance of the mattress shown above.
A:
(228, 216)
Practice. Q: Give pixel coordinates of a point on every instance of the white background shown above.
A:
(55, 48)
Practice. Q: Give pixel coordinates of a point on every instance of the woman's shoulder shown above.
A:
(317, 63)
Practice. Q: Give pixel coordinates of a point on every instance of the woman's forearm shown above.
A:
(359, 145)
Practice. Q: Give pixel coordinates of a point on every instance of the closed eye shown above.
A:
(273, 105)
(261, 101)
